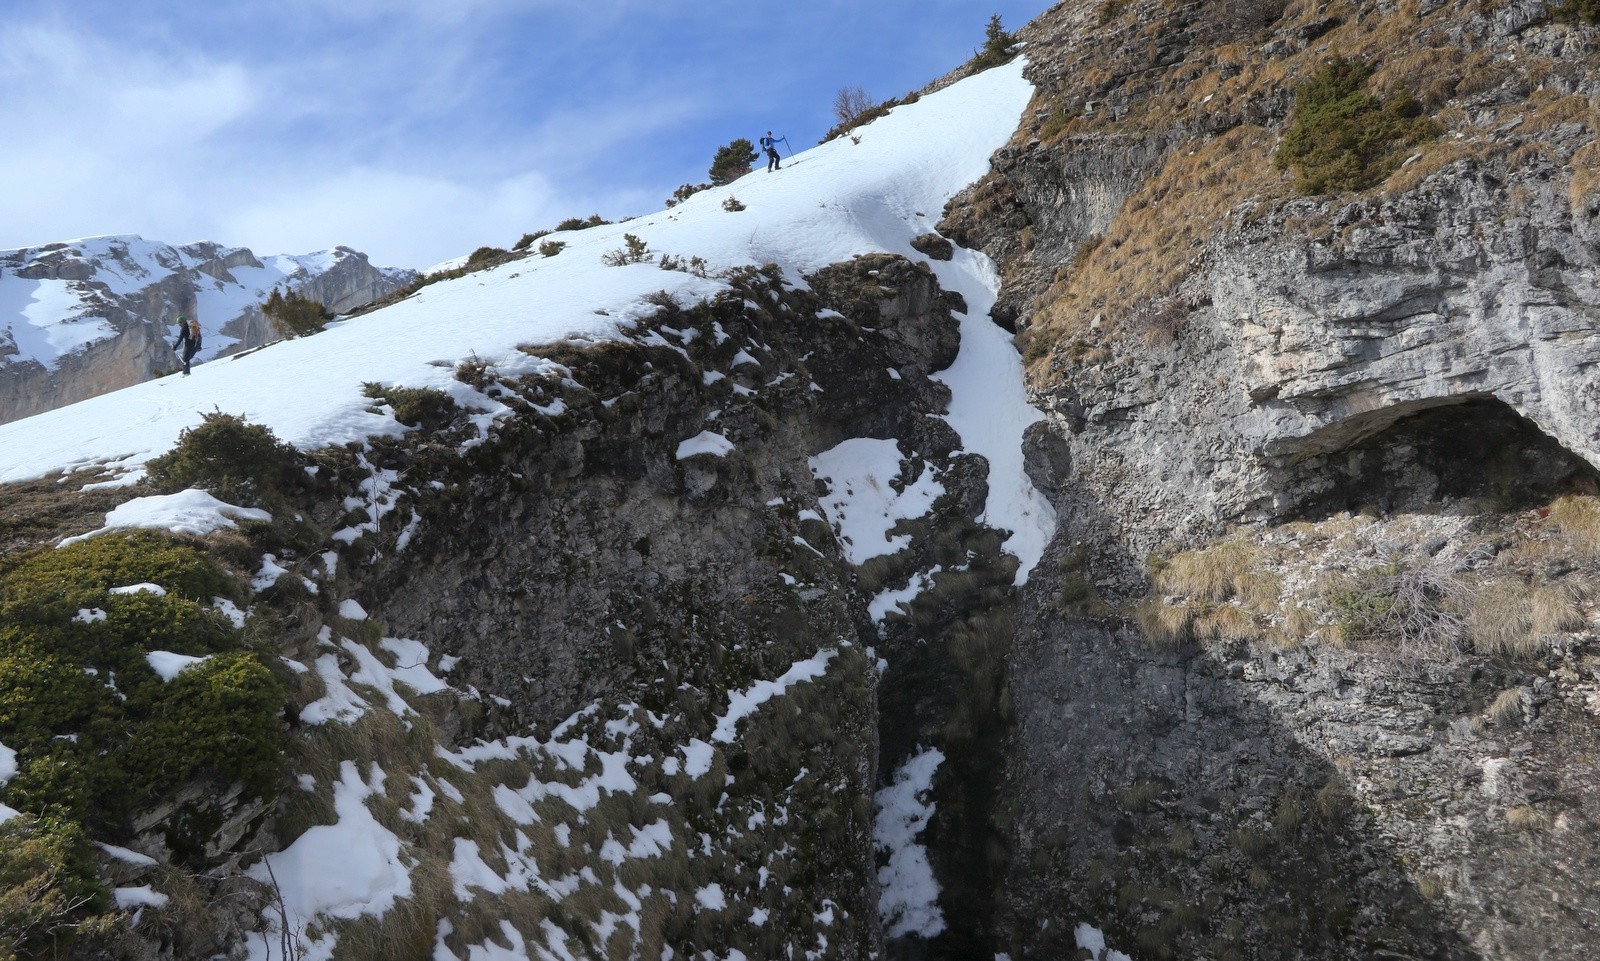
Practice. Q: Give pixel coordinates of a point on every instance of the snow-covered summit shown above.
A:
(87, 316)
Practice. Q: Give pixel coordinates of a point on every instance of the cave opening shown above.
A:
(1475, 454)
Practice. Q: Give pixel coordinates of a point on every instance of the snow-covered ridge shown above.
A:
(850, 196)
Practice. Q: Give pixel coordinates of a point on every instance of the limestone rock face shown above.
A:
(1215, 353)
(83, 318)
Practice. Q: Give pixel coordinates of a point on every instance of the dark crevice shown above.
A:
(1476, 452)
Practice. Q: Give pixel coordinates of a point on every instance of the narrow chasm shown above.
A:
(939, 591)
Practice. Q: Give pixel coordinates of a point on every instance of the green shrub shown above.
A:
(1578, 11)
(238, 462)
(219, 716)
(527, 239)
(1345, 138)
(49, 888)
(1079, 597)
(1406, 610)
(997, 44)
(50, 586)
(865, 117)
(476, 372)
(684, 192)
(295, 315)
(425, 407)
(579, 223)
(848, 104)
(29, 667)
(633, 251)
(732, 161)
(483, 256)
(97, 732)
(550, 248)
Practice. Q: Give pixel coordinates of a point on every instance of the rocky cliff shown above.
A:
(1283, 692)
(84, 318)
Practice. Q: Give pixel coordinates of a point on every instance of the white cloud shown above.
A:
(352, 140)
(402, 218)
(415, 130)
(98, 134)
(69, 89)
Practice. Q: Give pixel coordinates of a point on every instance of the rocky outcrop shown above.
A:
(92, 316)
(1214, 353)
(592, 558)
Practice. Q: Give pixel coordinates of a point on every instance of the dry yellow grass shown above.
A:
(1222, 592)
(1436, 156)
(1524, 818)
(1160, 236)
(1225, 622)
(1576, 518)
(1430, 74)
(1167, 625)
(1325, 582)
(1506, 711)
(1585, 166)
(1213, 574)
(1180, 840)
(1514, 617)
(1296, 627)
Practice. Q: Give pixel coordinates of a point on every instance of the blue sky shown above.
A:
(417, 131)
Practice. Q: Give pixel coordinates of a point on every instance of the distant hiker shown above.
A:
(770, 145)
(188, 340)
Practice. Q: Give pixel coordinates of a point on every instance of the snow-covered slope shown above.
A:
(87, 316)
(826, 205)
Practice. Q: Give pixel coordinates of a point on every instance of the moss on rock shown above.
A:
(96, 730)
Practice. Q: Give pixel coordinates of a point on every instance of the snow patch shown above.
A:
(186, 512)
(861, 500)
(705, 442)
(1093, 940)
(908, 899)
(168, 665)
(143, 896)
(741, 704)
(366, 877)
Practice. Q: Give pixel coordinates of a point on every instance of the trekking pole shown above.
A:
(786, 146)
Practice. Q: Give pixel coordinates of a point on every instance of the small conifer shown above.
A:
(293, 314)
(732, 161)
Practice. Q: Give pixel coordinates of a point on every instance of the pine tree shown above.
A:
(997, 44)
(732, 161)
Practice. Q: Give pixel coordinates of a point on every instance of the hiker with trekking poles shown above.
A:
(769, 143)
